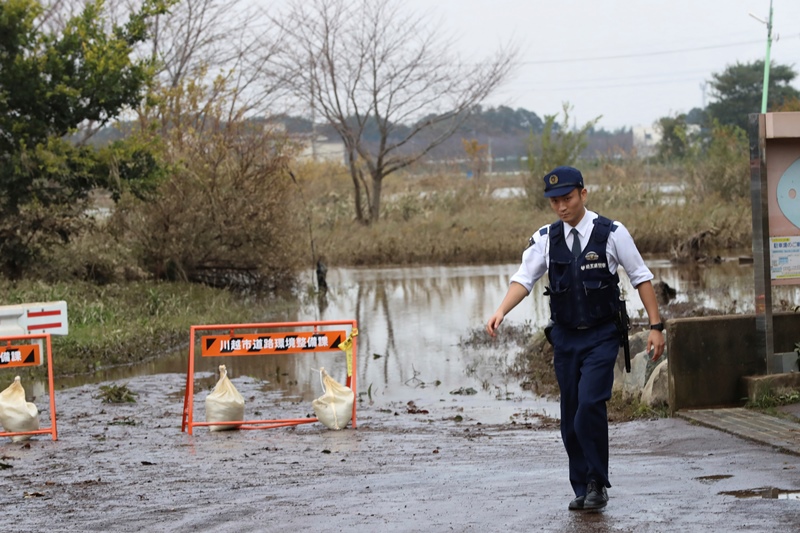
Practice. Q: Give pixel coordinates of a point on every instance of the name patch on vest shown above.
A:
(593, 265)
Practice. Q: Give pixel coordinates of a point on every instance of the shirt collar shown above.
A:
(585, 226)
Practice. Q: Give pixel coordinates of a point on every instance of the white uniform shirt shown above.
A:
(620, 249)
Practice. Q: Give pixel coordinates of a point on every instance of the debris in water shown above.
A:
(462, 390)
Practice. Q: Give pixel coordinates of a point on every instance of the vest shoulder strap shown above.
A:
(556, 230)
(602, 229)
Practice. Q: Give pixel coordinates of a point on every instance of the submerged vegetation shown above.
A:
(533, 366)
(117, 394)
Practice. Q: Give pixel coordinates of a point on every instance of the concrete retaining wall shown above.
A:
(710, 356)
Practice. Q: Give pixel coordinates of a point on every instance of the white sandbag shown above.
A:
(15, 413)
(224, 403)
(335, 407)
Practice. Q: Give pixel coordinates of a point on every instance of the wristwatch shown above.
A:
(657, 327)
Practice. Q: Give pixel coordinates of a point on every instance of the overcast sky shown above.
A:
(631, 61)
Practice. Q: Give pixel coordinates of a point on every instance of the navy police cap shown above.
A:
(561, 180)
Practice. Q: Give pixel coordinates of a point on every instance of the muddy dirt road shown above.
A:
(128, 468)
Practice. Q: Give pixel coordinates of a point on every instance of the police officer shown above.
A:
(581, 253)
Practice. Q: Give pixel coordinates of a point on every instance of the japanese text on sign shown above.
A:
(273, 343)
(15, 356)
(785, 257)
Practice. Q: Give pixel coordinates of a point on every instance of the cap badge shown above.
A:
(553, 179)
(592, 256)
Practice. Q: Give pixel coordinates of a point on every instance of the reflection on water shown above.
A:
(411, 321)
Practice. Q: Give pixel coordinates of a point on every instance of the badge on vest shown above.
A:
(592, 256)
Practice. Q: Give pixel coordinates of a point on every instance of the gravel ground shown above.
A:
(129, 468)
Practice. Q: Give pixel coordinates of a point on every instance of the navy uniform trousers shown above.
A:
(584, 364)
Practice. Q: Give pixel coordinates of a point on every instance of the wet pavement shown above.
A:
(427, 467)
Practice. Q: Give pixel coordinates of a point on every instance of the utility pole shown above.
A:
(768, 22)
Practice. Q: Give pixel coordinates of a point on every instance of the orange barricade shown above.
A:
(21, 355)
(223, 340)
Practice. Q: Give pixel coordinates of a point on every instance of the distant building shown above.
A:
(312, 147)
(645, 140)
(320, 149)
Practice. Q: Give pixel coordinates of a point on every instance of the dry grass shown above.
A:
(446, 219)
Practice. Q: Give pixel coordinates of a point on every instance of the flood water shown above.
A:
(410, 323)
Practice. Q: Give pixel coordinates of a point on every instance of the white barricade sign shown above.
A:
(34, 318)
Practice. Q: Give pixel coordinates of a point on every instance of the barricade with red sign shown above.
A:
(17, 351)
(229, 340)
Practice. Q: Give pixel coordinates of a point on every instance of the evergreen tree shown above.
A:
(738, 91)
(51, 83)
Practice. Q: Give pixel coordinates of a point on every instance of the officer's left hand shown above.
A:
(656, 342)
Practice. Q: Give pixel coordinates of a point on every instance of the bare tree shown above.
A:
(222, 39)
(196, 35)
(369, 68)
(221, 43)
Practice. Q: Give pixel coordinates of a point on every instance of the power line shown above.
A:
(535, 88)
(665, 76)
(641, 54)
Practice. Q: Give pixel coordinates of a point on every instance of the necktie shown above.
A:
(576, 242)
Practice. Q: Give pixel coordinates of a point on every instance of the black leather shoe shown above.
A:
(596, 496)
(577, 504)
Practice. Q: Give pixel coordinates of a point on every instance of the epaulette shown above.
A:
(542, 232)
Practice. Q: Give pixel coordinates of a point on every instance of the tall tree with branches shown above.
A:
(385, 80)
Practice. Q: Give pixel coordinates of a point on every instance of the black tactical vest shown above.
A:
(583, 291)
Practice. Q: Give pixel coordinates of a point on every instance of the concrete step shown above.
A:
(780, 433)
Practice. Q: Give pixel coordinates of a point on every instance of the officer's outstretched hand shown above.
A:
(494, 323)
(656, 342)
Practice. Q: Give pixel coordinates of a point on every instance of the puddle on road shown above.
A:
(770, 493)
(713, 479)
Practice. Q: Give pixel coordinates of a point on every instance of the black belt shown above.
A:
(581, 328)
